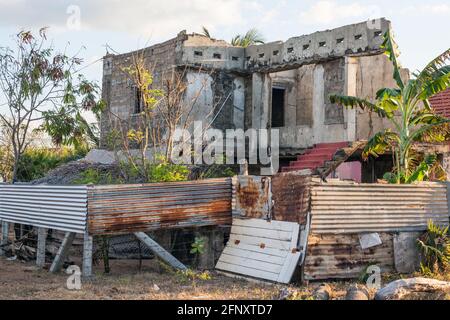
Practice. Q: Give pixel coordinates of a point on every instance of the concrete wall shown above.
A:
(237, 92)
(373, 73)
(351, 39)
(309, 117)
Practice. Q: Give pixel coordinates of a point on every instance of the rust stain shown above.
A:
(262, 245)
(112, 211)
(237, 242)
(253, 197)
(291, 196)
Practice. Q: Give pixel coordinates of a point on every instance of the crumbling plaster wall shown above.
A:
(373, 73)
(208, 79)
(309, 117)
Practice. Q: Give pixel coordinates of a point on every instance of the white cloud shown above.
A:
(153, 18)
(426, 9)
(327, 12)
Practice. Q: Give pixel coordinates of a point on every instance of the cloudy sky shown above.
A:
(422, 27)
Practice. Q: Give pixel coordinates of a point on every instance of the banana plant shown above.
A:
(407, 107)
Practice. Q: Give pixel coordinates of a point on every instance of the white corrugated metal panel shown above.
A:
(262, 249)
(55, 207)
(355, 208)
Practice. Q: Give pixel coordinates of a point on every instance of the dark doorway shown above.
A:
(278, 95)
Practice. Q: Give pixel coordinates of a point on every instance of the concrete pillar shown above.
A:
(261, 100)
(351, 69)
(4, 238)
(318, 103)
(40, 253)
(88, 245)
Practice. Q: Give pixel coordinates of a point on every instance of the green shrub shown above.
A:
(35, 163)
(435, 249)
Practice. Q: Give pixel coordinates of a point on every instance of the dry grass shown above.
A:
(22, 281)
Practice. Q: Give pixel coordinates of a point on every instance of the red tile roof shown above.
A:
(441, 103)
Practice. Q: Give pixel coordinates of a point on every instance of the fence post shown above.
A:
(4, 239)
(88, 244)
(40, 253)
(62, 252)
(160, 251)
(448, 199)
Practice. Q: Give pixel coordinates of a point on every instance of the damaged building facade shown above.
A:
(284, 85)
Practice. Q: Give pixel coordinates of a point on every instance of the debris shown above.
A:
(398, 289)
(357, 292)
(369, 240)
(324, 292)
(156, 288)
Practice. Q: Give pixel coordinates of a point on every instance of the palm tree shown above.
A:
(407, 108)
(251, 37)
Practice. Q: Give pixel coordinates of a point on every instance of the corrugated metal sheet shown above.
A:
(252, 197)
(291, 197)
(356, 208)
(332, 256)
(55, 207)
(122, 209)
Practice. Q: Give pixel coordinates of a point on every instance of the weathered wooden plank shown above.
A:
(238, 252)
(160, 251)
(62, 252)
(257, 248)
(262, 233)
(264, 224)
(262, 252)
(263, 242)
(251, 263)
(247, 271)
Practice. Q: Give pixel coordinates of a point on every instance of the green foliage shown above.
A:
(35, 163)
(251, 37)
(435, 249)
(408, 109)
(198, 247)
(98, 177)
(166, 172)
(192, 275)
(38, 83)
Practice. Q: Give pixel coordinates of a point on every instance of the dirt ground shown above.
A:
(19, 280)
(22, 281)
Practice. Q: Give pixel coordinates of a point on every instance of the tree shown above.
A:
(251, 37)
(408, 109)
(146, 138)
(34, 82)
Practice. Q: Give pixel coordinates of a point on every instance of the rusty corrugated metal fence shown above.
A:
(122, 209)
(342, 207)
(54, 207)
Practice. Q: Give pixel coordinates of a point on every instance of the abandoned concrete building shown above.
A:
(284, 85)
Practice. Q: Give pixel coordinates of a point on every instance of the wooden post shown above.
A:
(4, 239)
(62, 252)
(160, 251)
(40, 253)
(87, 255)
